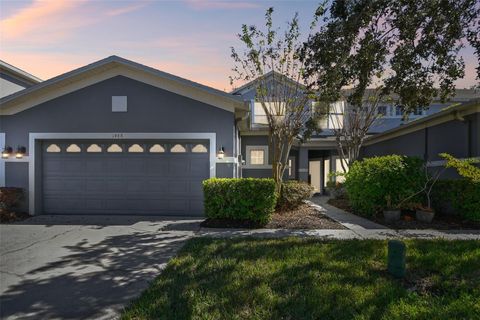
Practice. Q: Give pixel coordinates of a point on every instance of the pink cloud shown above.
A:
(40, 16)
(214, 4)
(127, 9)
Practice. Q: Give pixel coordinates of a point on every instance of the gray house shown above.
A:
(118, 137)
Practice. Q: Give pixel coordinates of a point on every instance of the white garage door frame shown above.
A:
(35, 137)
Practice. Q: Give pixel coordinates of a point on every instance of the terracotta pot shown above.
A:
(391, 215)
(425, 216)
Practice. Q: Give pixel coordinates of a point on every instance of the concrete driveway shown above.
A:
(81, 267)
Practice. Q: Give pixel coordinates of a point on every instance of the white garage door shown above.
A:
(124, 177)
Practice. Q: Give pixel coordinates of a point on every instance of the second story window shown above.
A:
(382, 111)
(258, 114)
(398, 111)
(259, 117)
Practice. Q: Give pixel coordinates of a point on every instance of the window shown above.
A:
(398, 111)
(135, 148)
(382, 110)
(291, 167)
(73, 148)
(93, 148)
(53, 148)
(260, 117)
(114, 148)
(156, 148)
(418, 112)
(199, 148)
(335, 115)
(257, 155)
(178, 148)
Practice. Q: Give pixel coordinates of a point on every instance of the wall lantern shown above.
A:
(20, 152)
(221, 153)
(7, 151)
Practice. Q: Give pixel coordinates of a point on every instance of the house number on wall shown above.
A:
(117, 135)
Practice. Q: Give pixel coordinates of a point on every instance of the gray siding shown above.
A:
(458, 138)
(16, 175)
(262, 173)
(150, 109)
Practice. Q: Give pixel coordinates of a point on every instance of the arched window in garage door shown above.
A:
(157, 148)
(93, 148)
(53, 148)
(114, 148)
(73, 148)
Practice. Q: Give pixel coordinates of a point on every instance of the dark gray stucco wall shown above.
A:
(255, 141)
(265, 172)
(150, 109)
(458, 138)
(16, 175)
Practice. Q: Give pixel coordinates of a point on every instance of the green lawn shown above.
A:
(311, 279)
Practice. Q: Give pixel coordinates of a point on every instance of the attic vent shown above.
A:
(119, 103)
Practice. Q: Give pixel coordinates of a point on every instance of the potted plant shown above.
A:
(391, 213)
(425, 212)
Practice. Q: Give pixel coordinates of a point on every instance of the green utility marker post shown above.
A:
(396, 258)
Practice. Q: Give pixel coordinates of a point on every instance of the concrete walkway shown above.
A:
(358, 228)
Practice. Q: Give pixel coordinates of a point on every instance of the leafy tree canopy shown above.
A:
(409, 48)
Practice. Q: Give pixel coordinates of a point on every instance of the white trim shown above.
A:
(303, 170)
(227, 160)
(33, 137)
(265, 166)
(13, 159)
(249, 148)
(2, 161)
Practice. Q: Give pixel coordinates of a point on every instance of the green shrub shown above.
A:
(463, 195)
(293, 194)
(240, 199)
(370, 182)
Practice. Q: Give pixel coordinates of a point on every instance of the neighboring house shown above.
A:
(314, 160)
(118, 137)
(13, 79)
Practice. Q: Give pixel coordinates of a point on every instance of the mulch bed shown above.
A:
(304, 217)
(407, 221)
(10, 216)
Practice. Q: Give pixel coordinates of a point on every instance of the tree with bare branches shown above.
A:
(272, 59)
(351, 128)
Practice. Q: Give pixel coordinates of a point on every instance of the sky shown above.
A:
(188, 38)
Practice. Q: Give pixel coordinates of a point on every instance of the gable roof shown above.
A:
(108, 68)
(18, 73)
(270, 74)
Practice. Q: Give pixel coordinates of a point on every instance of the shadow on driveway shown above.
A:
(95, 279)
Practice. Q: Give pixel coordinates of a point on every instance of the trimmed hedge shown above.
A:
(249, 199)
(293, 194)
(463, 195)
(370, 181)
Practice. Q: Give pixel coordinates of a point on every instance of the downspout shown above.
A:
(239, 144)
